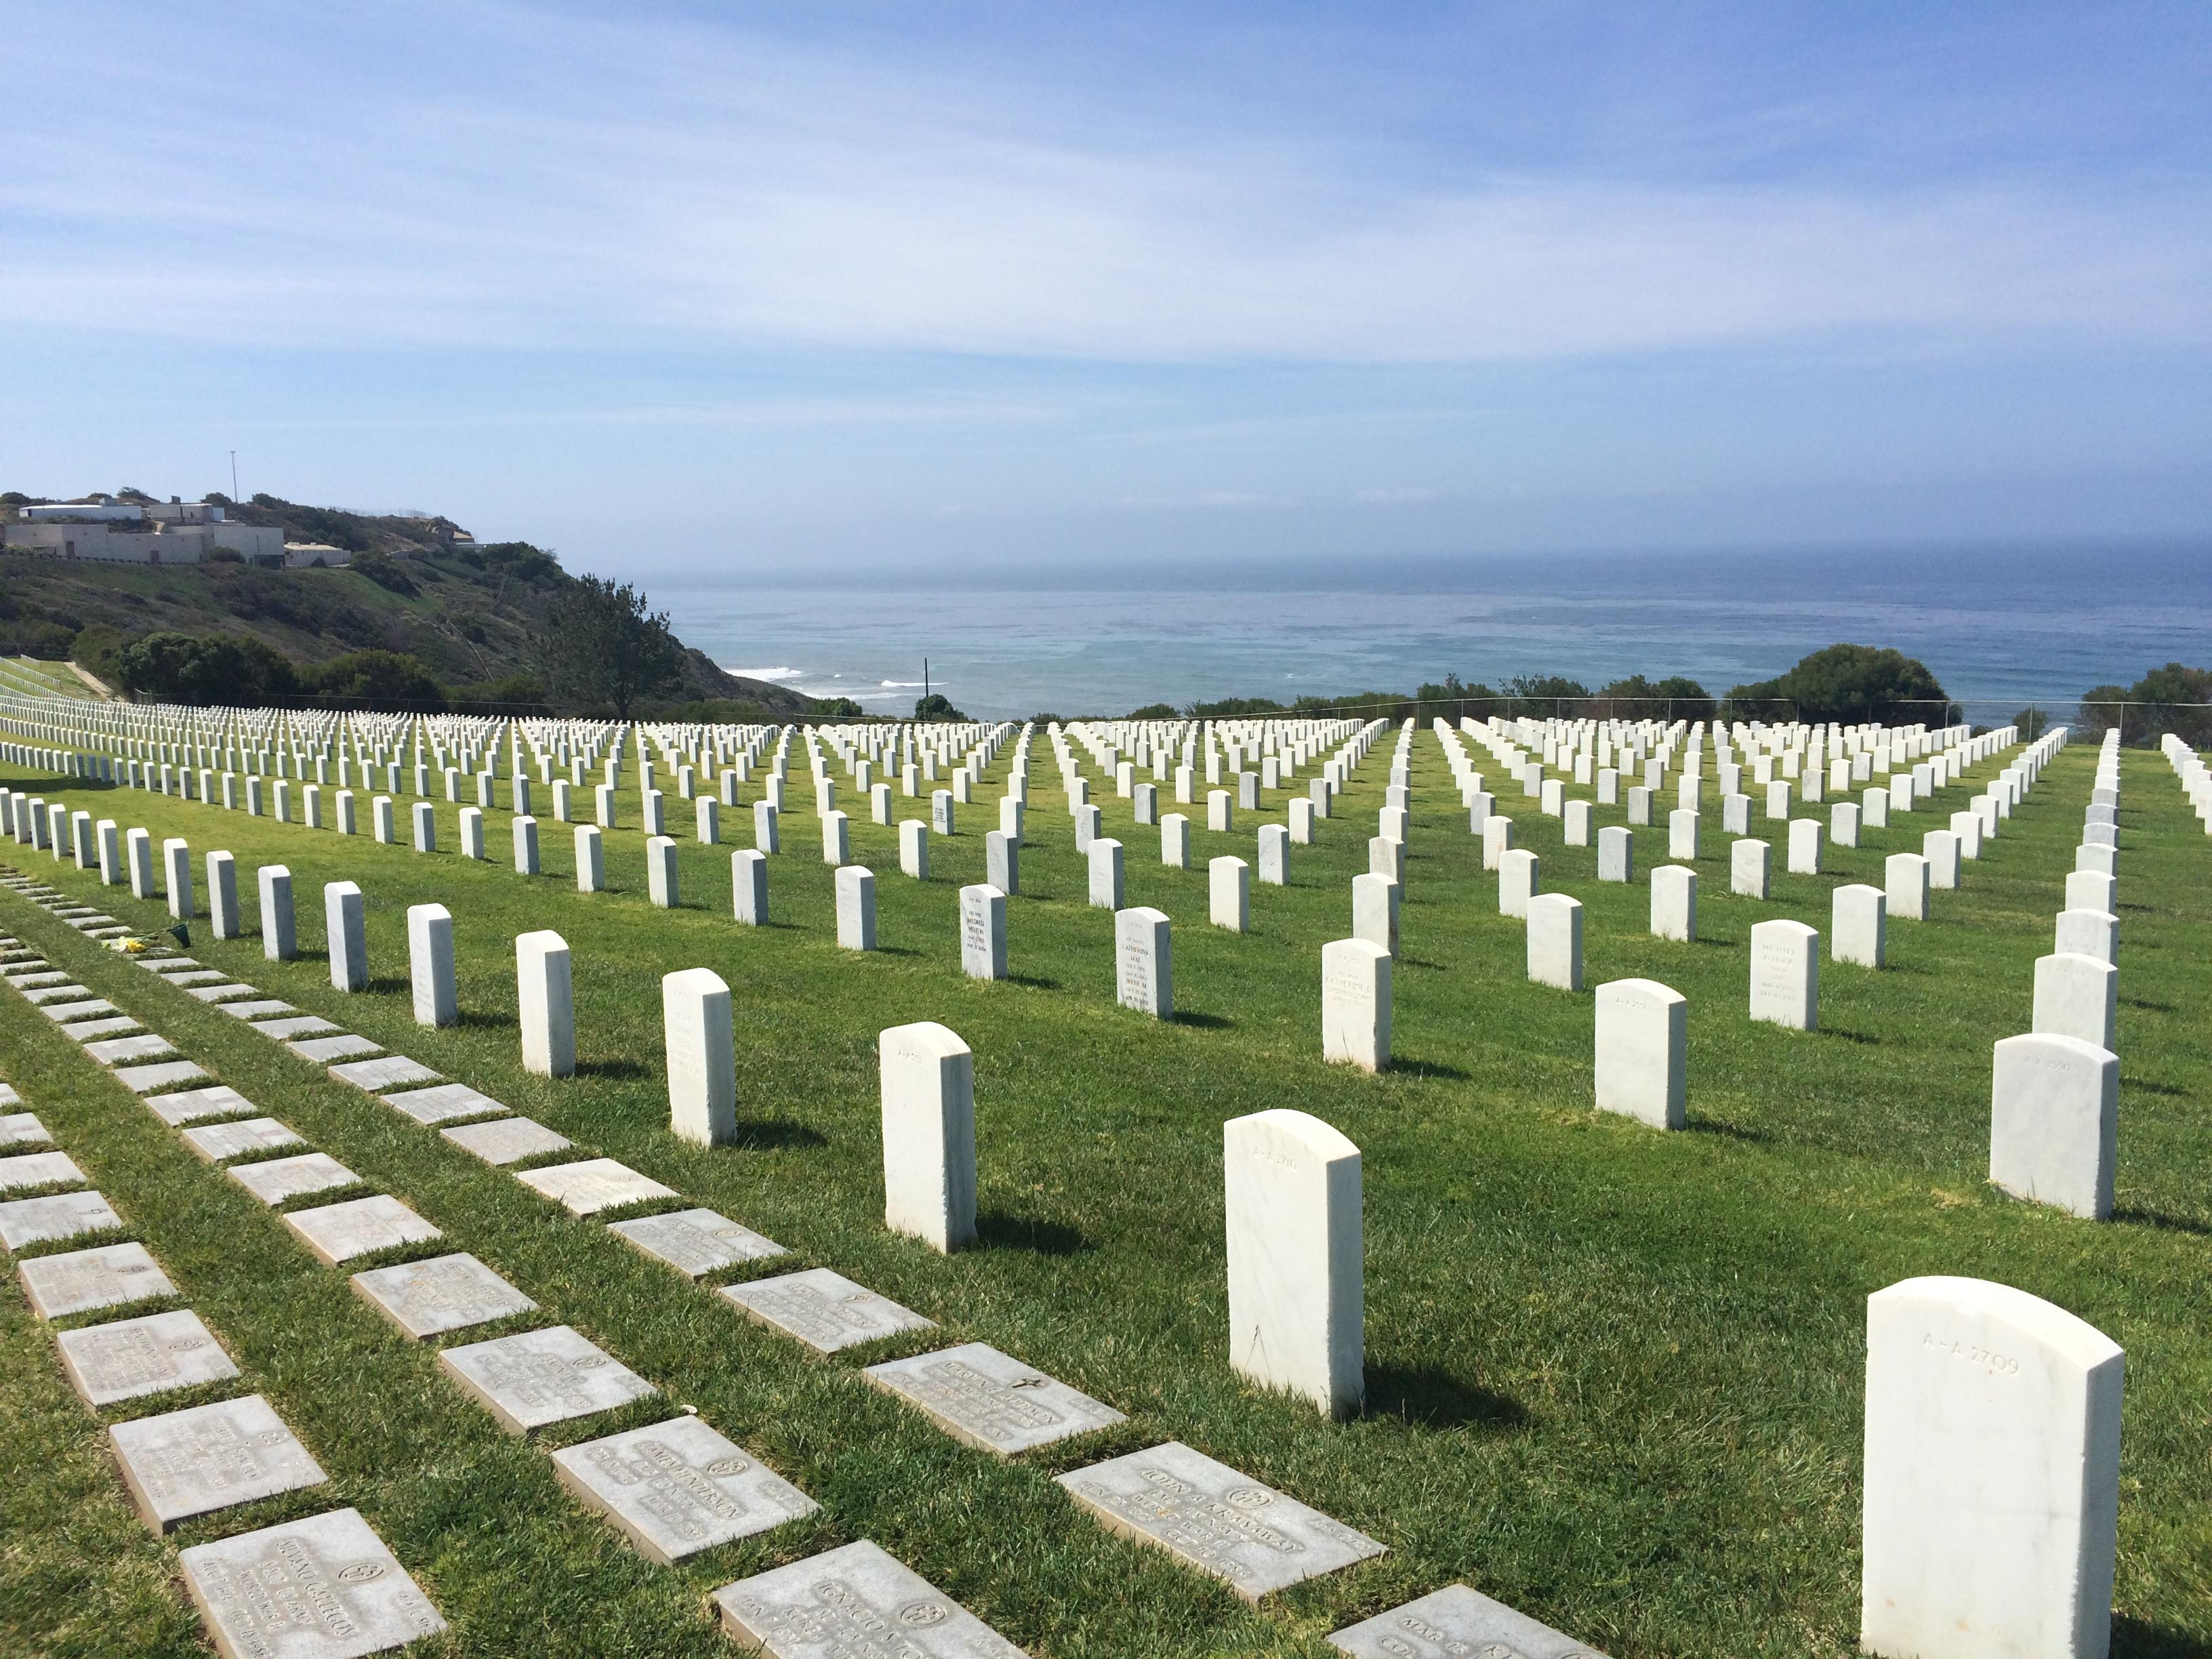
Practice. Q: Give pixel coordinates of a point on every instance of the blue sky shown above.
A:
(710, 289)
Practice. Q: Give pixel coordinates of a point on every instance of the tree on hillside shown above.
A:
(1849, 684)
(936, 707)
(242, 672)
(2168, 699)
(603, 648)
(389, 681)
(1677, 697)
(1544, 697)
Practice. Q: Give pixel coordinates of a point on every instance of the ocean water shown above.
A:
(2000, 627)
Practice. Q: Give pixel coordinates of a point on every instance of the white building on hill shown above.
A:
(123, 533)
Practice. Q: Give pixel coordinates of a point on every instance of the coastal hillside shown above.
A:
(474, 615)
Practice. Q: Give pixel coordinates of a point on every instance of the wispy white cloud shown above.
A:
(770, 414)
(548, 181)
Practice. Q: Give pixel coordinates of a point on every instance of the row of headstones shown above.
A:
(744, 745)
(427, 1298)
(452, 1292)
(2054, 1136)
(2001, 1541)
(2054, 1093)
(982, 920)
(1967, 827)
(1871, 1443)
(1588, 747)
(1954, 752)
(189, 1464)
(1640, 1069)
(2196, 781)
(1553, 948)
(927, 1088)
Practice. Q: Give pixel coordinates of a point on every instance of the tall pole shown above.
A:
(925, 680)
(234, 475)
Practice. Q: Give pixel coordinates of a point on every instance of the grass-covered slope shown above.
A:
(472, 615)
(1613, 1375)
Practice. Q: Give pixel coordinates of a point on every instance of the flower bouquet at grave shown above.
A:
(132, 945)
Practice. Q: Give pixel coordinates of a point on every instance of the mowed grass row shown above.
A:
(1613, 1375)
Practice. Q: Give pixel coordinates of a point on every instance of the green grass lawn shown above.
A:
(1613, 1375)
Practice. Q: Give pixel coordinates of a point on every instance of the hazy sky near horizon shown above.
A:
(689, 290)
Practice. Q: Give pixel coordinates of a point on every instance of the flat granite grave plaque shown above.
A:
(855, 1601)
(444, 1102)
(181, 1465)
(285, 1028)
(150, 1355)
(222, 993)
(76, 1281)
(234, 1138)
(1210, 1518)
(324, 1588)
(696, 1241)
(1457, 1623)
(130, 1050)
(445, 1293)
(21, 1128)
(37, 1170)
(593, 1185)
(324, 1050)
(391, 1072)
(168, 965)
(537, 1377)
(990, 1400)
(198, 976)
(30, 976)
(339, 1232)
(190, 1105)
(679, 1487)
(161, 1076)
(59, 1215)
(259, 1009)
(507, 1140)
(273, 1179)
(65, 1002)
(825, 1309)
